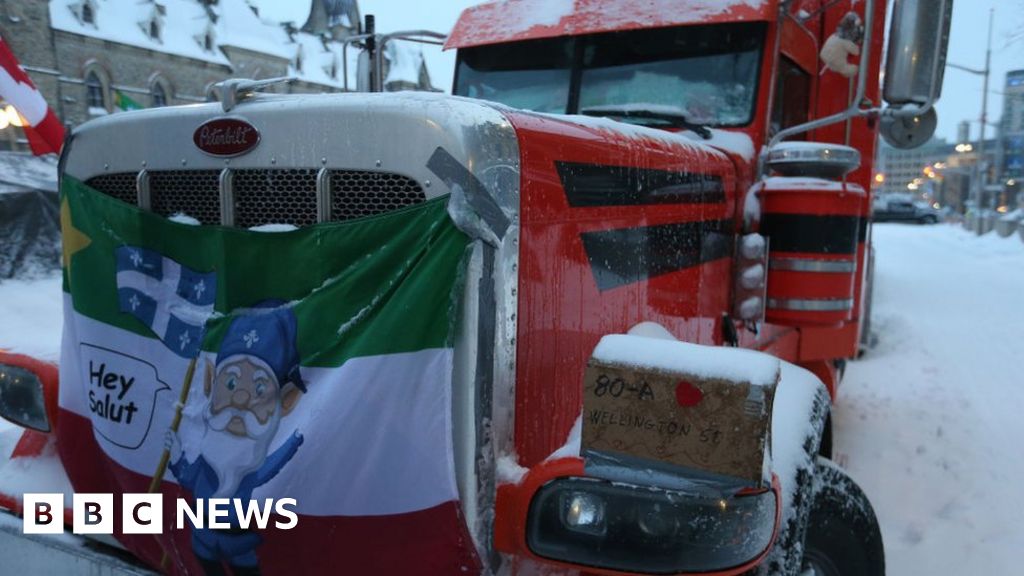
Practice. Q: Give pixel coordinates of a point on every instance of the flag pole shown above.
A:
(161, 468)
(158, 476)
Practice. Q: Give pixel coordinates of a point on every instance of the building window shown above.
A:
(159, 94)
(154, 30)
(94, 96)
(87, 16)
(208, 42)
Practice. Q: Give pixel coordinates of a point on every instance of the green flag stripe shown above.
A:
(370, 286)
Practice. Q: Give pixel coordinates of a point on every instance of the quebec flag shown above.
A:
(173, 300)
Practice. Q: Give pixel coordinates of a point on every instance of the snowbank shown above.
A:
(928, 423)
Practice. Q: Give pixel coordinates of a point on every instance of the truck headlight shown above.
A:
(21, 398)
(619, 526)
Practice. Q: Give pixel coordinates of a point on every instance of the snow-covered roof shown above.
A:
(406, 59)
(510, 20)
(182, 25)
(319, 60)
(240, 27)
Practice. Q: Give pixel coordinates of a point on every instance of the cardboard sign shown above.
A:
(710, 425)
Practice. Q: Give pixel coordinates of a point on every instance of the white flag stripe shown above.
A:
(375, 443)
(26, 99)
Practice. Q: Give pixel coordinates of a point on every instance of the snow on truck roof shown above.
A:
(512, 20)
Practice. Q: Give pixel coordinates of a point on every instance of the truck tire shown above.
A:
(843, 537)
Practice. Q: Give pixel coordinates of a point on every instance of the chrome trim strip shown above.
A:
(227, 198)
(809, 265)
(809, 305)
(323, 195)
(143, 198)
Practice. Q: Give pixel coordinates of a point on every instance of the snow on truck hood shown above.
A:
(513, 20)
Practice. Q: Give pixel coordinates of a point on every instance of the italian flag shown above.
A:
(370, 305)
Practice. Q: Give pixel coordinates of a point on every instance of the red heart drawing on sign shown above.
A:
(688, 395)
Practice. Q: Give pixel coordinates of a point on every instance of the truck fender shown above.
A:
(799, 418)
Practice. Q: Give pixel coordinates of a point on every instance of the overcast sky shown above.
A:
(961, 95)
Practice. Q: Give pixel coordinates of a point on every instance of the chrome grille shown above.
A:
(281, 196)
(120, 185)
(266, 196)
(192, 192)
(357, 194)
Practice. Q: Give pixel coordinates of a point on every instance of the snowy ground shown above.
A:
(930, 423)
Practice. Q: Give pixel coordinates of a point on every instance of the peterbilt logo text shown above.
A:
(226, 137)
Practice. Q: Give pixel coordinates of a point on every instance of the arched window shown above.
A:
(159, 94)
(94, 93)
(87, 15)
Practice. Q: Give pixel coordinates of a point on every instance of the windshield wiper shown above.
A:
(672, 118)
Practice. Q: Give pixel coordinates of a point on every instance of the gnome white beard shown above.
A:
(232, 456)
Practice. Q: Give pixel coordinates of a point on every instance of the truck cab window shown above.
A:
(792, 96)
(531, 75)
(709, 74)
(706, 73)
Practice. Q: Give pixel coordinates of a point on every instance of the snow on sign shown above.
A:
(698, 407)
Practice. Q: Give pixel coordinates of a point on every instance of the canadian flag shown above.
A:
(42, 127)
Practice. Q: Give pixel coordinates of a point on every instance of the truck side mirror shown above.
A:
(28, 392)
(916, 59)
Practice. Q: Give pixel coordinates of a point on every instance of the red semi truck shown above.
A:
(409, 289)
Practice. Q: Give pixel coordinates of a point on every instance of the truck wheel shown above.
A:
(843, 538)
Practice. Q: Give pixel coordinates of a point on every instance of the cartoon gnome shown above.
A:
(254, 384)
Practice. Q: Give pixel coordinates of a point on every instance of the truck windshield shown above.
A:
(709, 74)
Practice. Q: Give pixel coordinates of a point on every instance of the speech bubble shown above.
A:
(121, 391)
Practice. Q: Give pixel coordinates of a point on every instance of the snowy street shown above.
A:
(928, 422)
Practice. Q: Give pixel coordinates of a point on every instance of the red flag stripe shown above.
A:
(431, 542)
(44, 131)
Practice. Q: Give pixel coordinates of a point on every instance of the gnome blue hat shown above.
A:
(266, 332)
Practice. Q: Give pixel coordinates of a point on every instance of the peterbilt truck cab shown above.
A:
(384, 306)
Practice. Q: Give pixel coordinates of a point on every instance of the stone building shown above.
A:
(95, 57)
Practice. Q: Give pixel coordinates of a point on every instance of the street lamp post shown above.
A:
(979, 181)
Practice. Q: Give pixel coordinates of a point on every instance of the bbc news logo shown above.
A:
(144, 513)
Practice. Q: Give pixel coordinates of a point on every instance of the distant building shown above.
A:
(1012, 136)
(900, 168)
(90, 58)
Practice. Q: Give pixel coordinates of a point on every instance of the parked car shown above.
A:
(904, 211)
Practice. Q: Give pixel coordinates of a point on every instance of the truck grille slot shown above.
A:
(279, 196)
(265, 196)
(192, 192)
(120, 186)
(357, 194)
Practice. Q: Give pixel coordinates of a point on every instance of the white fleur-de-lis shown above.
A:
(134, 301)
(184, 339)
(250, 337)
(136, 258)
(199, 288)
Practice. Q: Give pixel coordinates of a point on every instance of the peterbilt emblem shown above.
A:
(226, 137)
